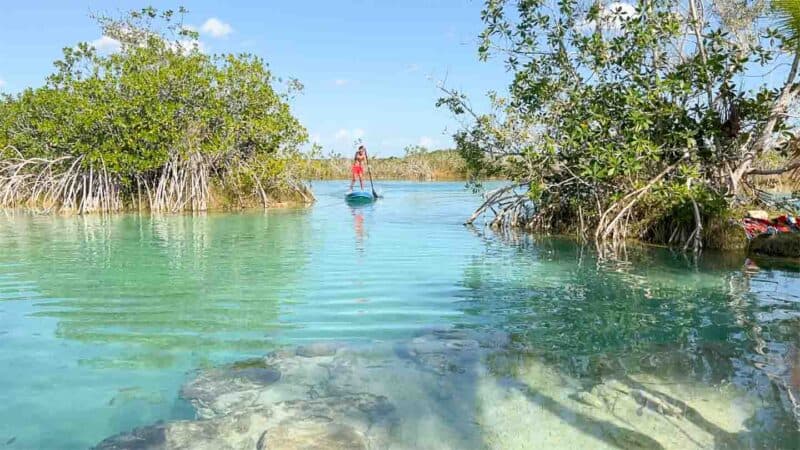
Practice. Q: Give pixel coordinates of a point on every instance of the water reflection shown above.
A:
(358, 226)
(463, 330)
(156, 283)
(652, 313)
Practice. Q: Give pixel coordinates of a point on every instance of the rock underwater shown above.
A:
(444, 389)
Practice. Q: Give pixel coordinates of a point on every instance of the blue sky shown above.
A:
(369, 67)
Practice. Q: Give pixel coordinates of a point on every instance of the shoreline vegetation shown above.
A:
(604, 142)
(158, 126)
(417, 164)
(634, 121)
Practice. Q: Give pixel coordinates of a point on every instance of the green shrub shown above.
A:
(158, 123)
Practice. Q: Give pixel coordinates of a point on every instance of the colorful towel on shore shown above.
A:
(781, 224)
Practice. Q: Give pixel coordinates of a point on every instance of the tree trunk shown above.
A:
(765, 139)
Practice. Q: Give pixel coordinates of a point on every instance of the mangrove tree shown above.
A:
(157, 125)
(646, 120)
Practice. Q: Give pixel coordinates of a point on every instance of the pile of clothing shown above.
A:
(758, 222)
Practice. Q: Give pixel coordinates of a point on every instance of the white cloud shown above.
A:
(618, 12)
(2, 83)
(342, 135)
(341, 82)
(315, 139)
(216, 28)
(189, 27)
(612, 16)
(427, 142)
(105, 44)
(392, 142)
(187, 45)
(412, 68)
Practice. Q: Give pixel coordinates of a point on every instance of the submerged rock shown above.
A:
(444, 389)
(318, 435)
(616, 385)
(236, 431)
(443, 351)
(587, 398)
(631, 411)
(319, 349)
(302, 399)
(356, 421)
(327, 395)
(222, 391)
(655, 403)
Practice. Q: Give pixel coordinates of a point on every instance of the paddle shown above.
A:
(369, 172)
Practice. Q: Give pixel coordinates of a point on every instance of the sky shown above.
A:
(370, 68)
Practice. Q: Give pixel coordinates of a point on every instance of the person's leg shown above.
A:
(361, 180)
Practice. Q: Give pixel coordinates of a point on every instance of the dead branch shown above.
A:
(788, 168)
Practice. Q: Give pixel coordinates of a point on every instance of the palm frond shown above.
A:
(788, 12)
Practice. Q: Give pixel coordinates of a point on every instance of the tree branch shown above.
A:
(778, 171)
(778, 109)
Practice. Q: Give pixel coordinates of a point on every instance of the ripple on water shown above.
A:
(104, 319)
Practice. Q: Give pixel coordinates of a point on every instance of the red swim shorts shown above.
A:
(358, 170)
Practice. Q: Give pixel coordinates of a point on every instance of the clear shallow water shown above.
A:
(103, 319)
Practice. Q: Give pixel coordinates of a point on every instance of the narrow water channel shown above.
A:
(453, 337)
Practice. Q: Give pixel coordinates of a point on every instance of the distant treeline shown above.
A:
(418, 163)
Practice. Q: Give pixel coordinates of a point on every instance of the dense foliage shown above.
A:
(643, 119)
(158, 124)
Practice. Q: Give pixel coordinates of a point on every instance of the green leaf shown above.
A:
(788, 13)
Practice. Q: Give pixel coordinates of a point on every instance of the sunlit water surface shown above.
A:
(102, 319)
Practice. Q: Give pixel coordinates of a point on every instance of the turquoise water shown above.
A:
(102, 319)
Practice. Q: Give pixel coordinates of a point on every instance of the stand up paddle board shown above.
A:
(359, 197)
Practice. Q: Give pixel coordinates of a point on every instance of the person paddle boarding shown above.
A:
(358, 167)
